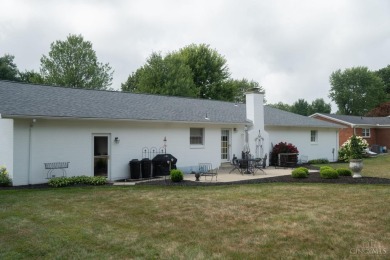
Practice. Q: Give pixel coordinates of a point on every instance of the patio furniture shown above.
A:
(235, 164)
(206, 169)
(56, 166)
(287, 160)
(261, 164)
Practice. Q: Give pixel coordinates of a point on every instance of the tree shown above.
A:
(8, 69)
(234, 90)
(356, 90)
(31, 77)
(301, 107)
(319, 106)
(281, 106)
(193, 71)
(209, 69)
(166, 76)
(384, 74)
(382, 110)
(73, 63)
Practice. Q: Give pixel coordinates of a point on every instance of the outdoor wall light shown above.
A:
(165, 144)
(116, 140)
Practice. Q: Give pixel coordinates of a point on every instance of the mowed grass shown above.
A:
(372, 167)
(262, 221)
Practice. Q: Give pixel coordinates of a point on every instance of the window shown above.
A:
(366, 132)
(196, 136)
(313, 136)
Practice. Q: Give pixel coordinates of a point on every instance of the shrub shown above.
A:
(344, 172)
(352, 148)
(327, 172)
(68, 181)
(318, 161)
(283, 147)
(176, 175)
(5, 180)
(300, 172)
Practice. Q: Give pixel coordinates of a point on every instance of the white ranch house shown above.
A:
(41, 124)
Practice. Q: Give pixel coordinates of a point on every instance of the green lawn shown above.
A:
(277, 221)
(372, 167)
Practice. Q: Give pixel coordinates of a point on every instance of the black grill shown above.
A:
(162, 163)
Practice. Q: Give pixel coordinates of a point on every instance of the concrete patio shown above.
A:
(224, 175)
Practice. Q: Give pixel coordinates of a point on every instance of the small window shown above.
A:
(313, 136)
(366, 132)
(196, 136)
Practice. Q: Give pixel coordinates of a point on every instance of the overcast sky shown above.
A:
(289, 46)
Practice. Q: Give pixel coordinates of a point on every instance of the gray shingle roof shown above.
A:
(20, 99)
(27, 100)
(277, 117)
(359, 120)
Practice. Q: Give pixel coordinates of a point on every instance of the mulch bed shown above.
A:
(314, 177)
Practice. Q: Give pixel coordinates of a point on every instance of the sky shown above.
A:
(290, 47)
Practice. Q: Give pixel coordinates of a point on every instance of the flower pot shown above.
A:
(356, 166)
(197, 176)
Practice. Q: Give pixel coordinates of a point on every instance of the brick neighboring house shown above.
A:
(376, 130)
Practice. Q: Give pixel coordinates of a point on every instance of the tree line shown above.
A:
(196, 71)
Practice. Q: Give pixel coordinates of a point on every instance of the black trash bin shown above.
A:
(146, 168)
(162, 163)
(135, 169)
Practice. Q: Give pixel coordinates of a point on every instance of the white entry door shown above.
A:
(225, 145)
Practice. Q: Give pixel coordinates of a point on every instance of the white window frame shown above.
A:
(366, 132)
(315, 136)
(201, 138)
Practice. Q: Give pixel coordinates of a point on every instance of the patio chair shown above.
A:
(236, 165)
(206, 169)
(261, 164)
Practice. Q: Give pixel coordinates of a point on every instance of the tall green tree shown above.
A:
(31, 77)
(8, 69)
(356, 90)
(73, 63)
(234, 89)
(193, 71)
(319, 106)
(209, 69)
(162, 75)
(301, 107)
(281, 106)
(384, 74)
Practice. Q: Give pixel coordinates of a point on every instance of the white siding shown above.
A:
(300, 137)
(6, 144)
(71, 141)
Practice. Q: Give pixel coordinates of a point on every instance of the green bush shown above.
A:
(327, 172)
(69, 181)
(344, 172)
(318, 161)
(176, 175)
(5, 180)
(300, 172)
(325, 168)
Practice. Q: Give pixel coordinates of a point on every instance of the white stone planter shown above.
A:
(356, 166)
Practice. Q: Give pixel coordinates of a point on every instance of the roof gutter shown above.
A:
(207, 121)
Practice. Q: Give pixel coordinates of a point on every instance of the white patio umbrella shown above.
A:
(246, 144)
